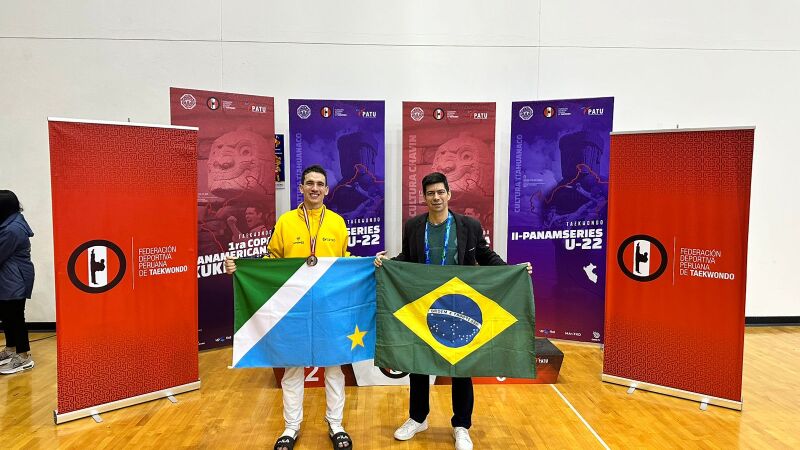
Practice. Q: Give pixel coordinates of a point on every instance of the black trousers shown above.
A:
(12, 313)
(462, 397)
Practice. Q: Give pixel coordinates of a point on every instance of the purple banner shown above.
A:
(557, 214)
(346, 137)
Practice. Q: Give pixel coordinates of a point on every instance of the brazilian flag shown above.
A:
(457, 321)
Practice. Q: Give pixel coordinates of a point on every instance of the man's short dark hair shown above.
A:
(9, 204)
(314, 168)
(433, 178)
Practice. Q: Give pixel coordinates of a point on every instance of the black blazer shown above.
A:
(472, 247)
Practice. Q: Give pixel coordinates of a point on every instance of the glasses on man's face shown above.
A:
(433, 194)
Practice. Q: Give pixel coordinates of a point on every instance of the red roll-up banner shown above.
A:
(125, 238)
(677, 262)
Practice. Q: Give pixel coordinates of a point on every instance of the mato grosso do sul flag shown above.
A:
(458, 321)
(290, 314)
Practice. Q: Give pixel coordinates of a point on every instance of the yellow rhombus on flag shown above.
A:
(414, 315)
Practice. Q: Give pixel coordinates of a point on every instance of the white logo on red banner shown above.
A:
(90, 264)
(641, 258)
(96, 266)
(188, 101)
(639, 254)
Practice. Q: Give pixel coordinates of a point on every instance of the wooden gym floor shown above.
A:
(241, 409)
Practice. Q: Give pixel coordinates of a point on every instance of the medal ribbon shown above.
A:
(308, 225)
(446, 239)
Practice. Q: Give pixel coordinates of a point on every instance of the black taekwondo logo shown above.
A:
(96, 266)
(637, 260)
(212, 103)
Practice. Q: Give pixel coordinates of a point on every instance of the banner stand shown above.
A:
(704, 400)
(95, 411)
(117, 256)
(677, 263)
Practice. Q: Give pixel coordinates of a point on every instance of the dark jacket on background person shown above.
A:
(472, 246)
(16, 268)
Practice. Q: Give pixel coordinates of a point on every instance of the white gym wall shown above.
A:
(683, 63)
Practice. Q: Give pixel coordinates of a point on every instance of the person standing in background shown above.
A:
(16, 284)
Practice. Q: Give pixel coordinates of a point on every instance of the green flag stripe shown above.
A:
(509, 353)
(278, 305)
(252, 292)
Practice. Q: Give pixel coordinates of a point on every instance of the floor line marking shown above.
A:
(602, 442)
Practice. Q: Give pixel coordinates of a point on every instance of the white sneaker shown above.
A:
(463, 441)
(17, 364)
(5, 356)
(409, 429)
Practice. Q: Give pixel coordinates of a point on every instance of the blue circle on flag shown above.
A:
(454, 320)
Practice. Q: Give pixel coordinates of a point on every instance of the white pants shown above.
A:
(292, 384)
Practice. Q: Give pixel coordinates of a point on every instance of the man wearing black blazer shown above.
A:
(443, 237)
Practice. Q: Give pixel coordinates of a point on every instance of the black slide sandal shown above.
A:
(341, 440)
(285, 443)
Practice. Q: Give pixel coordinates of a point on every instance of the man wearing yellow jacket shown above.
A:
(310, 231)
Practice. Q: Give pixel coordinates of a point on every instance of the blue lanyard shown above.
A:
(446, 239)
